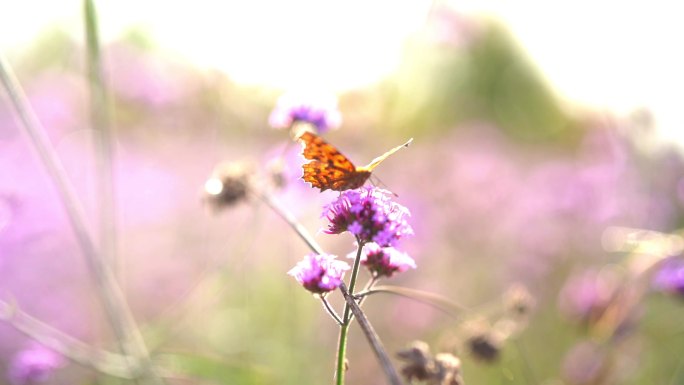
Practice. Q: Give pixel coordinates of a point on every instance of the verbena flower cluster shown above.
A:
(319, 273)
(377, 222)
(370, 215)
(385, 261)
(318, 110)
(670, 277)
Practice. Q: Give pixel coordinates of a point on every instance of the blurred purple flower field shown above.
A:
(511, 201)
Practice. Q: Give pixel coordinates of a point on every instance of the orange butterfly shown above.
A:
(329, 169)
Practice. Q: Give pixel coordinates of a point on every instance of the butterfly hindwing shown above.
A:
(325, 176)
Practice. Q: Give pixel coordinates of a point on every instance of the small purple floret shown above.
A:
(319, 273)
(33, 365)
(385, 261)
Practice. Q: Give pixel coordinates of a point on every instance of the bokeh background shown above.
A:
(542, 134)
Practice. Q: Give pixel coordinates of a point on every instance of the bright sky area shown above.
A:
(610, 55)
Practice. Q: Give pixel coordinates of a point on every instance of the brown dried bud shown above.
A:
(443, 369)
(419, 364)
(229, 184)
(448, 370)
(484, 346)
(276, 172)
(518, 300)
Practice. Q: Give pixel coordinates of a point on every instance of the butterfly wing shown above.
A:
(375, 162)
(328, 168)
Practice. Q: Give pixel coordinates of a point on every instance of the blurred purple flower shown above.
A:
(384, 261)
(670, 277)
(34, 364)
(370, 215)
(319, 273)
(587, 295)
(320, 110)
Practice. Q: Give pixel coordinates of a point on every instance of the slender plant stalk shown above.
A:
(100, 118)
(101, 360)
(292, 221)
(127, 334)
(438, 301)
(372, 337)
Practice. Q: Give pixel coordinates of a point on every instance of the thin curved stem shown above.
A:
(369, 285)
(331, 311)
(292, 221)
(440, 302)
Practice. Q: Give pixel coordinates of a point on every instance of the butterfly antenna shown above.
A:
(378, 183)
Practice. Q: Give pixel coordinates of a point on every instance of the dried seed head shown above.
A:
(419, 363)
(448, 370)
(276, 173)
(484, 346)
(229, 184)
(518, 300)
(442, 369)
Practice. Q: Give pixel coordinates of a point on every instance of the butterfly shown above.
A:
(329, 169)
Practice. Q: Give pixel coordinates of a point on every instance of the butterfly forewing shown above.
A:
(375, 162)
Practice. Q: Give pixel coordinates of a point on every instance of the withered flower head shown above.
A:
(419, 363)
(442, 369)
(276, 173)
(484, 345)
(448, 370)
(229, 184)
(518, 300)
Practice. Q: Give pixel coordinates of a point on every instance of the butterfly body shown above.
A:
(328, 169)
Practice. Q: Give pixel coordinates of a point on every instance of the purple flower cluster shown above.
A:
(385, 261)
(670, 277)
(370, 215)
(319, 273)
(33, 365)
(318, 110)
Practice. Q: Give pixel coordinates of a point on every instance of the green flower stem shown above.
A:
(100, 116)
(352, 280)
(372, 337)
(341, 366)
(346, 318)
